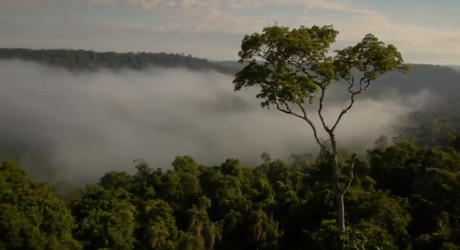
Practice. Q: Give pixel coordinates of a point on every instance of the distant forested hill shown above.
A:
(79, 60)
(456, 67)
(439, 79)
(443, 80)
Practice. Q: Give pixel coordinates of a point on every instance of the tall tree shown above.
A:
(293, 66)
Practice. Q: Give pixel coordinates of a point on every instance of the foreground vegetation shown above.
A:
(403, 197)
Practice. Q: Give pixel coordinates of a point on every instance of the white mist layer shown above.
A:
(84, 125)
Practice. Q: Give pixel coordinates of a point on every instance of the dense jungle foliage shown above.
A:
(404, 195)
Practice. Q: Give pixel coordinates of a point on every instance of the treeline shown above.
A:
(403, 197)
(438, 79)
(84, 60)
(433, 126)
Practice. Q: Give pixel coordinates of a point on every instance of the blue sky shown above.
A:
(425, 31)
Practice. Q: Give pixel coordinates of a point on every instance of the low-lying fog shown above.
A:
(79, 126)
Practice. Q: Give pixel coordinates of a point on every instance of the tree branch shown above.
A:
(352, 97)
(352, 176)
(326, 128)
(287, 110)
(320, 108)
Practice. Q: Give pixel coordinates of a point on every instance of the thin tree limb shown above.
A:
(352, 176)
(352, 98)
(320, 108)
(304, 116)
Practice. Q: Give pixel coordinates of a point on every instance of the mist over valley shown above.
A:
(77, 125)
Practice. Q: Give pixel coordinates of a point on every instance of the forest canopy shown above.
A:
(403, 197)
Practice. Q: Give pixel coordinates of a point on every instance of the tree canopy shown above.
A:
(402, 197)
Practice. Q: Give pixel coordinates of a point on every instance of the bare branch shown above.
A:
(320, 109)
(352, 175)
(352, 97)
(301, 67)
(304, 116)
(287, 110)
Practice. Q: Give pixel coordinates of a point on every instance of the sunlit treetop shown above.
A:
(291, 65)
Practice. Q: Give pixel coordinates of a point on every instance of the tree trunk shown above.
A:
(339, 192)
(340, 210)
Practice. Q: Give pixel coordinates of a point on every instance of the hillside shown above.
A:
(84, 60)
(438, 79)
(456, 67)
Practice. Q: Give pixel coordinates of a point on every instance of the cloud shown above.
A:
(162, 4)
(223, 15)
(211, 18)
(337, 7)
(32, 4)
(229, 4)
(82, 125)
(20, 4)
